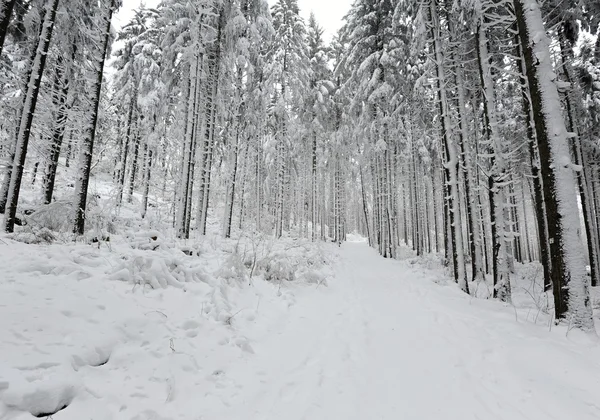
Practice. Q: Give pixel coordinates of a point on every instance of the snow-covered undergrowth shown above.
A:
(117, 327)
(530, 302)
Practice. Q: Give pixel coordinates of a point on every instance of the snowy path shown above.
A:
(381, 343)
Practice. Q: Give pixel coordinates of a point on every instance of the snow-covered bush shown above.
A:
(233, 269)
(144, 240)
(277, 267)
(35, 236)
(159, 270)
(56, 216)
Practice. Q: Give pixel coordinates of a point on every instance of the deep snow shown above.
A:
(380, 341)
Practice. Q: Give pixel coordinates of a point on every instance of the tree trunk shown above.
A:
(570, 284)
(539, 205)
(61, 91)
(134, 165)
(462, 139)
(234, 175)
(451, 158)
(214, 69)
(125, 152)
(87, 147)
(31, 96)
(314, 198)
(188, 144)
(147, 183)
(495, 189)
(6, 8)
(571, 99)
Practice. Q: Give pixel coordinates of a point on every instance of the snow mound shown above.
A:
(158, 271)
(57, 216)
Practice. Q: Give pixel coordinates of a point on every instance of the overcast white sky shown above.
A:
(329, 13)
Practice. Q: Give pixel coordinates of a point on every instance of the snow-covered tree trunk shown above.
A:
(365, 205)
(570, 283)
(61, 91)
(134, 162)
(572, 98)
(125, 152)
(234, 180)
(213, 76)
(280, 174)
(313, 184)
(528, 241)
(6, 180)
(31, 97)
(259, 185)
(497, 176)
(538, 198)
(146, 191)
(463, 136)
(87, 147)
(188, 145)
(245, 174)
(6, 8)
(472, 227)
(451, 158)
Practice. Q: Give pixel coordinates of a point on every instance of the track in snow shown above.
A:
(383, 342)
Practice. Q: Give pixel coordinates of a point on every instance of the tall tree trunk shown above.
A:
(497, 175)
(462, 139)
(571, 99)
(214, 69)
(134, 164)
(31, 96)
(6, 8)
(280, 161)
(364, 205)
(61, 91)
(87, 147)
(245, 173)
(570, 283)
(451, 158)
(147, 183)
(188, 145)
(13, 145)
(125, 152)
(314, 198)
(539, 205)
(234, 175)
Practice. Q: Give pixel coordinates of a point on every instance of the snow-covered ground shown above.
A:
(358, 337)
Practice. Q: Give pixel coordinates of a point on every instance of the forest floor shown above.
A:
(354, 337)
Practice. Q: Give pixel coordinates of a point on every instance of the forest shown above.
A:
(464, 128)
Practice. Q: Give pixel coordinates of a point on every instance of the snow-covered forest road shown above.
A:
(380, 339)
(384, 343)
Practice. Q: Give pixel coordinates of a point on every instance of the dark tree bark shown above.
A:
(31, 96)
(214, 65)
(234, 178)
(134, 166)
(87, 147)
(125, 151)
(570, 286)
(6, 9)
(147, 183)
(539, 205)
(61, 91)
(13, 145)
(450, 158)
